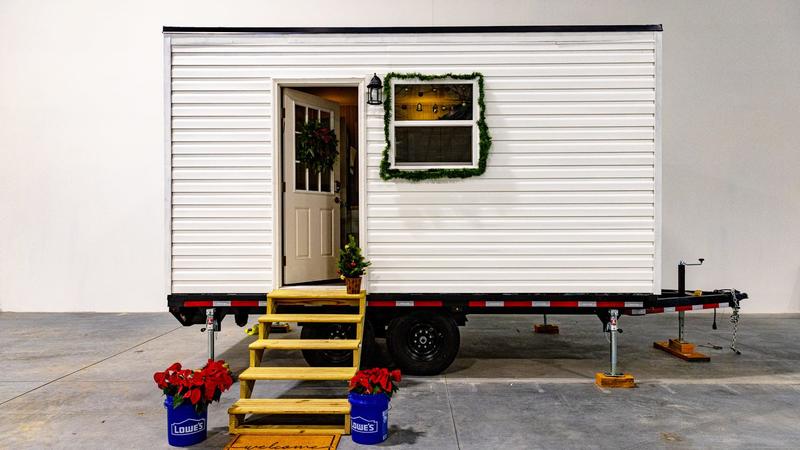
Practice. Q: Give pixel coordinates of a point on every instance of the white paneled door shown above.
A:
(311, 199)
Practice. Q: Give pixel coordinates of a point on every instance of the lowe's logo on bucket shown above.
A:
(188, 426)
(363, 425)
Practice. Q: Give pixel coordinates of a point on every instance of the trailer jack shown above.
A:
(545, 328)
(678, 347)
(212, 325)
(613, 378)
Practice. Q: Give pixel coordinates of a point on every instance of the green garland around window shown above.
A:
(485, 141)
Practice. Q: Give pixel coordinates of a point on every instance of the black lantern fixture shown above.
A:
(375, 91)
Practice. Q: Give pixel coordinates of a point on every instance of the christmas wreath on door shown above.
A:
(317, 146)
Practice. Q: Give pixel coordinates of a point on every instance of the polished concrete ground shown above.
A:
(85, 381)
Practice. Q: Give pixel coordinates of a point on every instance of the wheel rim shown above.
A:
(424, 341)
(337, 356)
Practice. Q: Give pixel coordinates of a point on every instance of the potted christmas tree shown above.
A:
(352, 266)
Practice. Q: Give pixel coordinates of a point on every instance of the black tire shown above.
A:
(335, 358)
(423, 342)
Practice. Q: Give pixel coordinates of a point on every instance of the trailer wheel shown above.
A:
(423, 342)
(336, 358)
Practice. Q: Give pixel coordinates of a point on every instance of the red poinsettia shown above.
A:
(375, 381)
(199, 387)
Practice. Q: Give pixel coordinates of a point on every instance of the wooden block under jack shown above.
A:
(280, 327)
(541, 328)
(614, 381)
(681, 349)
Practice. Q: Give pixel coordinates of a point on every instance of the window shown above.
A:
(306, 179)
(433, 124)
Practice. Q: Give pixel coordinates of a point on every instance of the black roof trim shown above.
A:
(380, 30)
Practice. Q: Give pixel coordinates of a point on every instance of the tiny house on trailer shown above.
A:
(497, 170)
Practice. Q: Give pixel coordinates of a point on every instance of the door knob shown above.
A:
(336, 199)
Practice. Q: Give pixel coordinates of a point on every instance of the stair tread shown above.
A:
(305, 344)
(290, 406)
(308, 294)
(298, 373)
(315, 318)
(289, 429)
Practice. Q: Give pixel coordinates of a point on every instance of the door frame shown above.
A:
(277, 161)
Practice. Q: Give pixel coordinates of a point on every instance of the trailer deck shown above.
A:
(190, 309)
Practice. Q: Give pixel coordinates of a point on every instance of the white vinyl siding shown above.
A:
(568, 203)
(221, 185)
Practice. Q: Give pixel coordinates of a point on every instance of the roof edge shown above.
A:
(418, 30)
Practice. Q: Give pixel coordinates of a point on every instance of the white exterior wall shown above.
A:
(568, 202)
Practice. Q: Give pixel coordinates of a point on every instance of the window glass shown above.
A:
(313, 115)
(313, 180)
(299, 168)
(325, 183)
(325, 118)
(433, 145)
(299, 117)
(433, 101)
(299, 176)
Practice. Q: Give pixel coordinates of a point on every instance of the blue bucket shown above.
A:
(184, 426)
(369, 418)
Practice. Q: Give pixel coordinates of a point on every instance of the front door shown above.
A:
(310, 199)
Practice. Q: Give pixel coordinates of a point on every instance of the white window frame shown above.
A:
(435, 123)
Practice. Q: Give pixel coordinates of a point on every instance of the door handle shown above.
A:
(336, 199)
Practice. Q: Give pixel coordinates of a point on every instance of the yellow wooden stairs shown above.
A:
(311, 406)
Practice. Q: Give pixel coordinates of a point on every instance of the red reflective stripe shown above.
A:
(657, 309)
(190, 303)
(683, 308)
(610, 304)
(711, 305)
(564, 304)
(389, 303)
(244, 303)
(517, 304)
(477, 303)
(427, 303)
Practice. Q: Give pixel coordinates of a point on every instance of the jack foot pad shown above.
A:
(682, 350)
(545, 329)
(614, 381)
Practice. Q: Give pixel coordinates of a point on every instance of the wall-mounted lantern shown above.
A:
(375, 91)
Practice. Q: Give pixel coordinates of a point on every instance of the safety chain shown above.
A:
(735, 320)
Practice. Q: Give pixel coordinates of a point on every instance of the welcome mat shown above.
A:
(285, 442)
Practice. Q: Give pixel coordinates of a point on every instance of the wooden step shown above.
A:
(312, 294)
(289, 429)
(298, 373)
(290, 406)
(305, 344)
(311, 318)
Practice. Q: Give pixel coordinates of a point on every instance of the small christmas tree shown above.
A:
(351, 262)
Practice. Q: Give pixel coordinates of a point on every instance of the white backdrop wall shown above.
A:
(81, 126)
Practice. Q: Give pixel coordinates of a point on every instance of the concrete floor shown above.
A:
(85, 381)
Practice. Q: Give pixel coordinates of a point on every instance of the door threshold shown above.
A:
(323, 285)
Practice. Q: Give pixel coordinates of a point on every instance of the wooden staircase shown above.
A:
(311, 406)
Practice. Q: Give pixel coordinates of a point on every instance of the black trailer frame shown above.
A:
(190, 309)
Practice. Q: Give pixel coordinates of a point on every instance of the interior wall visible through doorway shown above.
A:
(347, 98)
